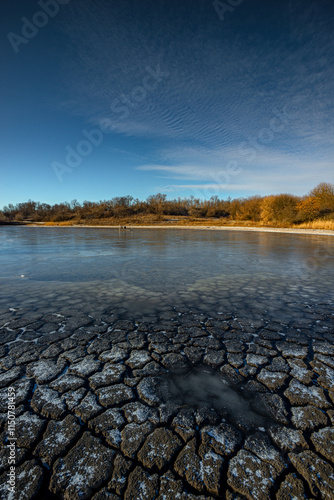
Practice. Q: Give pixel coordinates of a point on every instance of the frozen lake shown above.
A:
(257, 274)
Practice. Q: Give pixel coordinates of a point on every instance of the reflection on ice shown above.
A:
(249, 274)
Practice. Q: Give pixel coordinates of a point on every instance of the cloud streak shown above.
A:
(271, 171)
(222, 87)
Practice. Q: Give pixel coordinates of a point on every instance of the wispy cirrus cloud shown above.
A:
(270, 171)
(219, 87)
(222, 85)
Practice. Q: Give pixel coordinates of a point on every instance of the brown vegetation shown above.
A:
(315, 210)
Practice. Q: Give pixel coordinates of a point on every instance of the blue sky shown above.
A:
(104, 99)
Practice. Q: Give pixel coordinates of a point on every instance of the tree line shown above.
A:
(273, 209)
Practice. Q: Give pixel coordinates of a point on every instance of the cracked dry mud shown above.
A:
(178, 406)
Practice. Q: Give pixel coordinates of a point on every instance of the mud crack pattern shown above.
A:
(177, 406)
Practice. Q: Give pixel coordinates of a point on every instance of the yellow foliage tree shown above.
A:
(308, 208)
(324, 195)
(279, 209)
(250, 209)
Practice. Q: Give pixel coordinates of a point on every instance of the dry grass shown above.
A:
(154, 220)
(317, 224)
(63, 223)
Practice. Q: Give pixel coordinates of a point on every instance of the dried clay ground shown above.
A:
(178, 406)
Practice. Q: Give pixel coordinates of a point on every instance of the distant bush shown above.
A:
(197, 211)
(308, 209)
(250, 209)
(282, 209)
(279, 209)
(234, 208)
(323, 194)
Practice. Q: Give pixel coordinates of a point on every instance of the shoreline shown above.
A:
(320, 232)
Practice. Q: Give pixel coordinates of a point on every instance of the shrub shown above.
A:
(308, 209)
(279, 209)
(323, 193)
(250, 209)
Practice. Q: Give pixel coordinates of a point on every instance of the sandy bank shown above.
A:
(321, 232)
